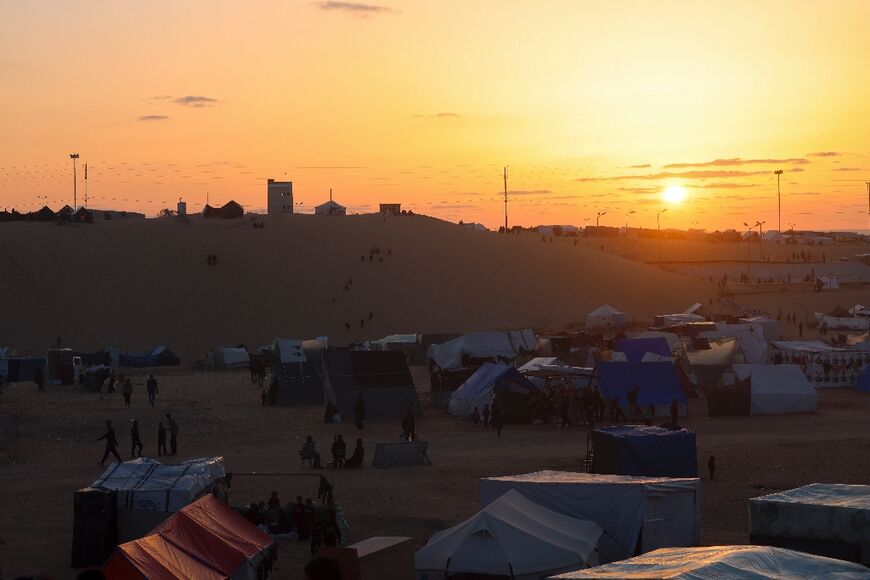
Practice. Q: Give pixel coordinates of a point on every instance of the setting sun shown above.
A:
(674, 194)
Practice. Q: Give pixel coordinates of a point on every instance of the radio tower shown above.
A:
(505, 199)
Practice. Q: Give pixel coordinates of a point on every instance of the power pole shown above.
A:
(86, 185)
(659, 226)
(505, 199)
(74, 156)
(778, 172)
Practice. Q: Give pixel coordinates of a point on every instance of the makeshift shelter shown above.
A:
(773, 389)
(382, 378)
(109, 357)
(770, 326)
(482, 347)
(658, 384)
(205, 539)
(646, 451)
(750, 336)
(700, 310)
(733, 562)
(330, 208)
(821, 518)
(863, 382)
(636, 348)
(490, 380)
(60, 367)
(228, 358)
(674, 319)
(540, 363)
(232, 210)
(606, 319)
(297, 366)
(83, 216)
(512, 537)
(20, 370)
(148, 491)
(157, 357)
(94, 377)
(638, 514)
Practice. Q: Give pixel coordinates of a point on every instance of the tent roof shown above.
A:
(863, 382)
(539, 362)
(658, 381)
(572, 477)
(155, 557)
(492, 377)
(512, 535)
(721, 352)
(826, 494)
(482, 345)
(605, 310)
(738, 562)
(782, 379)
(636, 348)
(638, 431)
(805, 346)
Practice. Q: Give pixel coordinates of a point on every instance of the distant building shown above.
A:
(391, 209)
(230, 210)
(330, 208)
(110, 214)
(279, 197)
(182, 208)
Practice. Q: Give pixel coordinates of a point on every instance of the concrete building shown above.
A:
(391, 209)
(280, 197)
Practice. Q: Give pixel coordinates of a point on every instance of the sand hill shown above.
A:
(136, 284)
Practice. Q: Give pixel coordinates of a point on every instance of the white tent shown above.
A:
(750, 336)
(721, 353)
(227, 358)
(733, 562)
(657, 511)
(288, 350)
(496, 345)
(511, 537)
(775, 389)
(606, 318)
(540, 363)
(674, 319)
(819, 514)
(771, 326)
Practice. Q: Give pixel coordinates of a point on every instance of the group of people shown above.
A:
(126, 386)
(309, 453)
(111, 439)
(491, 415)
(211, 260)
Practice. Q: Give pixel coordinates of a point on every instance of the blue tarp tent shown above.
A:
(658, 384)
(863, 382)
(642, 450)
(159, 357)
(635, 348)
(20, 369)
(489, 380)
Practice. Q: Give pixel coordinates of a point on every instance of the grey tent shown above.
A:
(298, 368)
(383, 379)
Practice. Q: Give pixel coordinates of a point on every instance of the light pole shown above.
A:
(659, 226)
(74, 156)
(505, 200)
(778, 172)
(626, 221)
(761, 239)
(597, 219)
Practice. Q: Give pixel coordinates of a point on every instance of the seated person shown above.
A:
(339, 451)
(309, 452)
(359, 452)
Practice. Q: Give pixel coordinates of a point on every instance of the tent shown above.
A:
(298, 367)
(674, 319)
(158, 357)
(700, 310)
(750, 336)
(483, 346)
(638, 514)
(205, 539)
(94, 377)
(511, 537)
(540, 363)
(108, 356)
(774, 389)
(19, 370)
(606, 319)
(826, 519)
(382, 378)
(642, 450)
(863, 383)
(478, 390)
(228, 358)
(734, 562)
(636, 348)
(770, 326)
(658, 382)
(149, 491)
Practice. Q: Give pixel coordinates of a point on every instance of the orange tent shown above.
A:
(205, 539)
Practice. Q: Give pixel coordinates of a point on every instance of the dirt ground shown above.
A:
(48, 450)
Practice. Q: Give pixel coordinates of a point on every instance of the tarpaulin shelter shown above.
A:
(606, 319)
(821, 518)
(109, 357)
(673, 319)
(297, 365)
(638, 514)
(774, 389)
(228, 358)
(863, 382)
(18, 370)
(770, 326)
(94, 377)
(157, 357)
(205, 539)
(512, 388)
(753, 344)
(636, 348)
(643, 450)
(733, 562)
(658, 384)
(481, 347)
(382, 378)
(512, 537)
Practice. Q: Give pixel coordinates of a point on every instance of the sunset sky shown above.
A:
(595, 106)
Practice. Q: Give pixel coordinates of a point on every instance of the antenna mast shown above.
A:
(506, 200)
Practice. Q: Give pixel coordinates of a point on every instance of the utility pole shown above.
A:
(597, 219)
(505, 199)
(86, 185)
(778, 172)
(659, 225)
(74, 156)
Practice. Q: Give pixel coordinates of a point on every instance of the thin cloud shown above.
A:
(355, 8)
(848, 169)
(195, 101)
(736, 161)
(722, 174)
(641, 166)
(526, 192)
(824, 154)
(438, 116)
(725, 185)
(153, 117)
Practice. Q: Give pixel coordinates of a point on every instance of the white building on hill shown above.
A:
(279, 197)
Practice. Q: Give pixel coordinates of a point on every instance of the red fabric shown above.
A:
(205, 539)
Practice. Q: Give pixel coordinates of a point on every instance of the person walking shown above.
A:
(136, 440)
(39, 379)
(173, 434)
(111, 443)
(161, 439)
(411, 419)
(127, 391)
(151, 387)
(497, 418)
(359, 412)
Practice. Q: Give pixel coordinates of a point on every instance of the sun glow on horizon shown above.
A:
(674, 194)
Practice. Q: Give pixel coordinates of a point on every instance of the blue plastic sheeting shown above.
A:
(635, 348)
(863, 383)
(658, 382)
(642, 450)
(21, 369)
(159, 357)
(492, 378)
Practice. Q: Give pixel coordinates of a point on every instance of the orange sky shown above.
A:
(596, 106)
